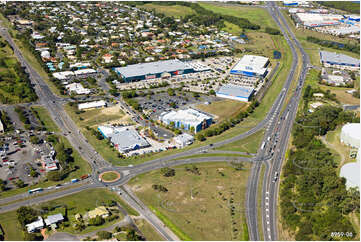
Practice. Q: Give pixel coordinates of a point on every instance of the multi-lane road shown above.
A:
(271, 154)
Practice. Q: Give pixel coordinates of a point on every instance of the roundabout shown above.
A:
(109, 176)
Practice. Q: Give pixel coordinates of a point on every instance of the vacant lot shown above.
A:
(223, 109)
(174, 11)
(198, 206)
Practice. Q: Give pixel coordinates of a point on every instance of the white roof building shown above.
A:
(95, 104)
(183, 140)
(53, 219)
(77, 88)
(36, 225)
(251, 65)
(187, 118)
(125, 138)
(63, 75)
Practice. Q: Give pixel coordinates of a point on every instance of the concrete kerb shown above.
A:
(109, 181)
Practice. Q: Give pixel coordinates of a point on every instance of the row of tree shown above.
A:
(334, 45)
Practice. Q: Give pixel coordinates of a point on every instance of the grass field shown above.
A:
(148, 231)
(76, 203)
(254, 15)
(174, 11)
(223, 109)
(45, 118)
(194, 204)
(259, 203)
(249, 144)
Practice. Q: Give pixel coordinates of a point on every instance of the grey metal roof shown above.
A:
(54, 219)
(128, 139)
(151, 68)
(236, 91)
(338, 58)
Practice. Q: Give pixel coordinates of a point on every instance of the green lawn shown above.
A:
(254, 15)
(249, 144)
(44, 117)
(174, 11)
(259, 202)
(194, 204)
(76, 203)
(109, 176)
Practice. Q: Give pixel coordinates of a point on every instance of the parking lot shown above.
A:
(20, 159)
(159, 103)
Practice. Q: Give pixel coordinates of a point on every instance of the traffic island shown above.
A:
(109, 176)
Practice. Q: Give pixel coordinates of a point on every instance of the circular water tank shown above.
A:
(351, 134)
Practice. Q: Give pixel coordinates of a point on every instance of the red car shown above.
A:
(11, 178)
(42, 170)
(5, 160)
(17, 149)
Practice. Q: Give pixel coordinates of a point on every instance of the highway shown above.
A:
(276, 141)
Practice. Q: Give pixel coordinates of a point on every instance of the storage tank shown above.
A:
(350, 134)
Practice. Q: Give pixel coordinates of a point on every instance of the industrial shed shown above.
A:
(158, 69)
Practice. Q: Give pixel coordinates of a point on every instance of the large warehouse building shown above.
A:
(251, 65)
(153, 70)
(187, 119)
(351, 136)
(312, 20)
(124, 139)
(341, 61)
(235, 92)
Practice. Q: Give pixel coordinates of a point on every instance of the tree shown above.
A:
(167, 172)
(96, 221)
(200, 137)
(54, 176)
(34, 139)
(19, 183)
(133, 236)
(26, 215)
(103, 235)
(2, 185)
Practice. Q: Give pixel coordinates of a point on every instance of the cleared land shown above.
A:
(77, 203)
(174, 11)
(198, 206)
(249, 144)
(223, 109)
